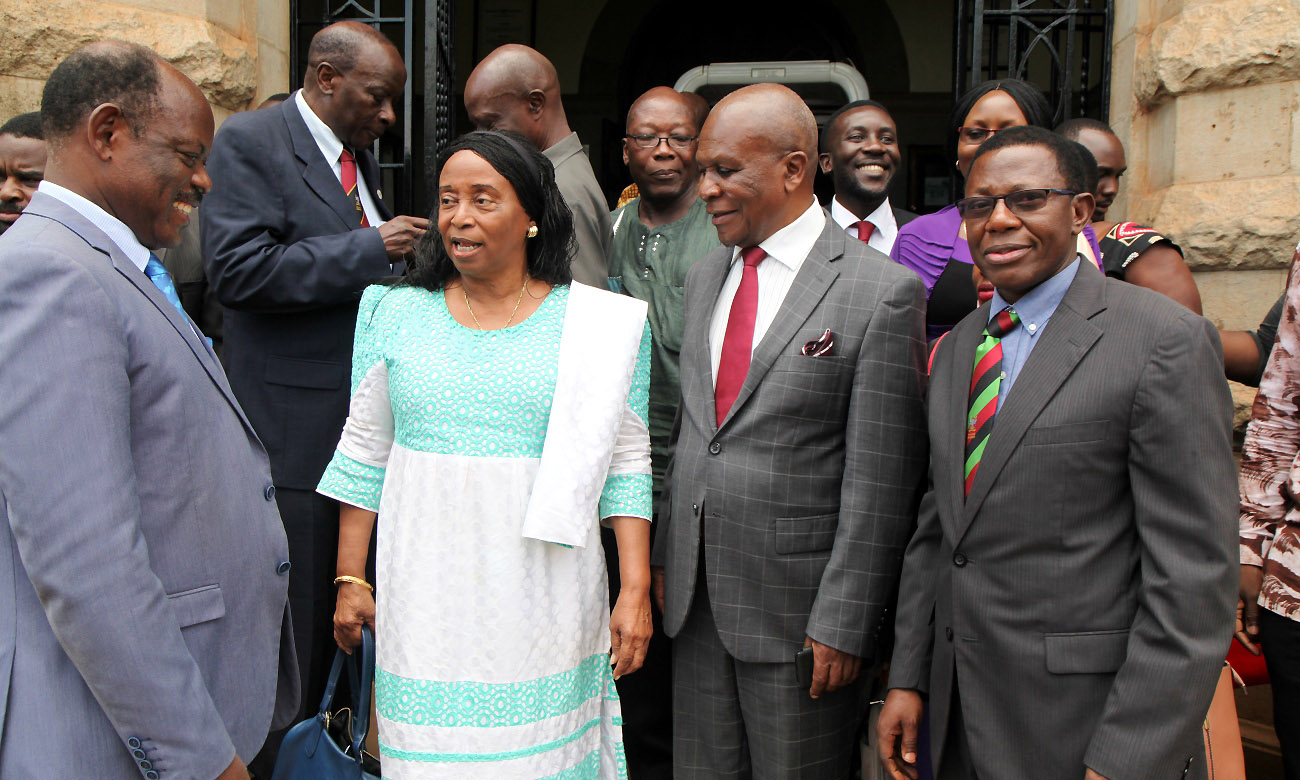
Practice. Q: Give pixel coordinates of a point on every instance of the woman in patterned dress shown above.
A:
(498, 411)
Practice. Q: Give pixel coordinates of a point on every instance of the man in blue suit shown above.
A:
(143, 621)
(295, 229)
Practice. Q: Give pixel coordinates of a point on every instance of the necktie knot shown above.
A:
(752, 256)
(865, 229)
(346, 156)
(1003, 323)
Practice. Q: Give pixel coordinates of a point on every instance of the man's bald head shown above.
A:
(341, 44)
(516, 88)
(661, 98)
(771, 112)
(757, 152)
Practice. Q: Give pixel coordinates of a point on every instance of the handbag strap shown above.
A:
(365, 659)
(361, 693)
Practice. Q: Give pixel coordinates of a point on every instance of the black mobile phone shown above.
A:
(803, 666)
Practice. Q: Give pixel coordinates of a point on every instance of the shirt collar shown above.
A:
(111, 226)
(1038, 305)
(330, 145)
(882, 217)
(792, 243)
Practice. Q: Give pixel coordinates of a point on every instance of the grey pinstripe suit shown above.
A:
(1083, 593)
(805, 496)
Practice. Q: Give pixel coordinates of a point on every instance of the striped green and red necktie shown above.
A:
(348, 178)
(985, 381)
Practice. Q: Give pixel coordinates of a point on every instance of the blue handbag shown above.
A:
(329, 745)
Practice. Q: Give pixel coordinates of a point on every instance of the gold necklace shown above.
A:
(518, 301)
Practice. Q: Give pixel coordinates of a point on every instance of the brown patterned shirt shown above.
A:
(1270, 466)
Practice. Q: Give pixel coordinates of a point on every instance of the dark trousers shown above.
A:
(646, 696)
(311, 523)
(1280, 637)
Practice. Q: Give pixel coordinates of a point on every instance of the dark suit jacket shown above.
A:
(807, 492)
(902, 216)
(1083, 593)
(284, 255)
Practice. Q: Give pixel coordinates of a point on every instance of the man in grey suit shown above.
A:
(1068, 598)
(799, 457)
(144, 628)
(516, 88)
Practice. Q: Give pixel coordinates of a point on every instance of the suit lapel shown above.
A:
(1066, 339)
(319, 172)
(54, 209)
(697, 351)
(370, 172)
(810, 284)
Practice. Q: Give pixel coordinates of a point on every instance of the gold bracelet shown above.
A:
(354, 581)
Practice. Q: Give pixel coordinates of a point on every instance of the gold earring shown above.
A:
(532, 231)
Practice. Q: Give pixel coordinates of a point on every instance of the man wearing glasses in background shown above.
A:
(658, 236)
(1068, 597)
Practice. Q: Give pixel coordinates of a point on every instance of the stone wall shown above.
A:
(1205, 96)
(235, 50)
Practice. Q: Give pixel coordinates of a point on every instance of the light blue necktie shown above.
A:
(163, 281)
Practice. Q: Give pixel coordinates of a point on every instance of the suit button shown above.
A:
(146, 765)
(695, 508)
(959, 560)
(269, 492)
(151, 775)
(947, 633)
(138, 753)
(715, 448)
(283, 568)
(134, 742)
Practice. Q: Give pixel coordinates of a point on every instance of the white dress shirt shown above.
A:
(786, 250)
(114, 228)
(883, 218)
(332, 147)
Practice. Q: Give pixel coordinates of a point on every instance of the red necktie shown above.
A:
(738, 344)
(865, 229)
(348, 176)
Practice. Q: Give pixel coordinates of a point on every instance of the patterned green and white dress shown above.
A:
(493, 649)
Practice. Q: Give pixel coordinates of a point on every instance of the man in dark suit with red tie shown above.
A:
(294, 230)
(859, 151)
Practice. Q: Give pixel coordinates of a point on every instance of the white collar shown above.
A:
(882, 217)
(792, 243)
(330, 145)
(114, 228)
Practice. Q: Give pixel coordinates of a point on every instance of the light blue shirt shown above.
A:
(114, 228)
(1035, 308)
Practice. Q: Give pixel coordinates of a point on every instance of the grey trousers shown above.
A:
(735, 719)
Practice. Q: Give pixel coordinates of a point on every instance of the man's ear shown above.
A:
(626, 161)
(1081, 208)
(327, 77)
(797, 170)
(104, 129)
(824, 162)
(536, 101)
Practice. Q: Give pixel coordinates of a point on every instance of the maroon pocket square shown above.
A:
(820, 346)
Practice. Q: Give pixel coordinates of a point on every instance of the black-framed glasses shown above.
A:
(652, 141)
(975, 135)
(1020, 202)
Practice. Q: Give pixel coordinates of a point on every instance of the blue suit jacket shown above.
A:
(283, 252)
(144, 629)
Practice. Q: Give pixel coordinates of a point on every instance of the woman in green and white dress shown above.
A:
(498, 412)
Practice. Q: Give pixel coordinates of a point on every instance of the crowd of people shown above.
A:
(723, 483)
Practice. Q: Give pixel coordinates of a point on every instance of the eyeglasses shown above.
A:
(1020, 202)
(975, 135)
(652, 141)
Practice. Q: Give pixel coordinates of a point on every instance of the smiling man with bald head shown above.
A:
(516, 88)
(798, 458)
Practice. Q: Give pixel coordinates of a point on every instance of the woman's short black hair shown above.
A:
(1037, 111)
(533, 178)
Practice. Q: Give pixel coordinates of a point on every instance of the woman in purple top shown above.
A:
(934, 246)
